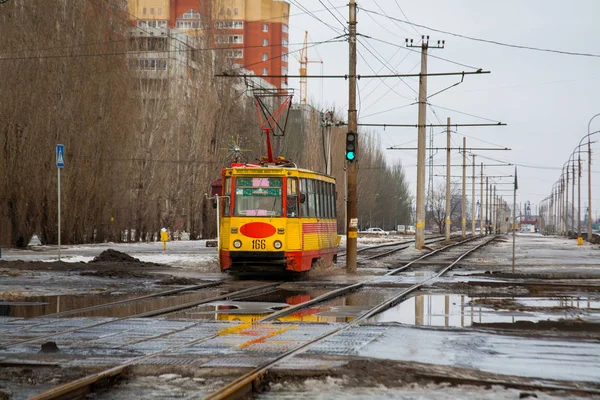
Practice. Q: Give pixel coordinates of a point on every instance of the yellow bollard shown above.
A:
(164, 237)
(579, 241)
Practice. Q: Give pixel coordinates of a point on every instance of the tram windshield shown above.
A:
(258, 197)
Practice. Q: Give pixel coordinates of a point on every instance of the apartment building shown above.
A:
(252, 33)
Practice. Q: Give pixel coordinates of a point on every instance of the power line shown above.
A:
(517, 46)
(402, 11)
(190, 49)
(300, 6)
(333, 15)
(461, 112)
(390, 109)
(428, 55)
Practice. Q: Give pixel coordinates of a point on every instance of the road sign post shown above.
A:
(60, 163)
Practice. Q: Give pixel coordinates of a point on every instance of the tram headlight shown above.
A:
(277, 244)
(237, 244)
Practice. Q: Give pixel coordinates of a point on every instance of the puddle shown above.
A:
(457, 311)
(251, 308)
(43, 305)
(37, 306)
(343, 309)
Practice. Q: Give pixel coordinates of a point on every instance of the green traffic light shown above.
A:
(350, 156)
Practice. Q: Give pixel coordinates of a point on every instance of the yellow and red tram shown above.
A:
(276, 217)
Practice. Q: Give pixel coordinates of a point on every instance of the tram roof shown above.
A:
(248, 169)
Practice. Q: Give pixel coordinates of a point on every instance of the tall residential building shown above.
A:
(252, 33)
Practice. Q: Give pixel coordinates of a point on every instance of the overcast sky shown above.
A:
(546, 99)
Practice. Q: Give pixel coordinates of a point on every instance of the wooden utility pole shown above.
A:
(464, 189)
(422, 142)
(352, 205)
(473, 199)
(448, 195)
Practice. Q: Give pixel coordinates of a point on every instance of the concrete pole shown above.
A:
(514, 219)
(573, 199)
(473, 199)
(579, 200)
(481, 202)
(567, 204)
(464, 189)
(494, 211)
(352, 205)
(589, 220)
(420, 234)
(448, 176)
(487, 201)
(561, 208)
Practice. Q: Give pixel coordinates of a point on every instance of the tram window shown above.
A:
(323, 197)
(329, 203)
(227, 198)
(312, 205)
(319, 195)
(304, 192)
(258, 197)
(316, 197)
(292, 198)
(334, 202)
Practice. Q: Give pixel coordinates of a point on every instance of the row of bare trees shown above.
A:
(145, 125)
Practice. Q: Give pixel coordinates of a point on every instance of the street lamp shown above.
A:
(589, 235)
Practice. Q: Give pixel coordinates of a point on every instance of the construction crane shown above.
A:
(303, 69)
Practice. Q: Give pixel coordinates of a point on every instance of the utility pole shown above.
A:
(352, 205)
(579, 200)
(481, 203)
(464, 189)
(448, 168)
(589, 219)
(420, 234)
(560, 204)
(567, 205)
(473, 199)
(487, 202)
(573, 200)
(494, 215)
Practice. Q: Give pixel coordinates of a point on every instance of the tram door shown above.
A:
(293, 226)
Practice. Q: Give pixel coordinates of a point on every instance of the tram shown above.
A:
(276, 217)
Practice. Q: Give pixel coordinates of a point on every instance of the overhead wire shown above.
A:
(462, 112)
(429, 55)
(402, 11)
(333, 15)
(495, 42)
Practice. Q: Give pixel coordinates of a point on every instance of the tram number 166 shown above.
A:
(259, 244)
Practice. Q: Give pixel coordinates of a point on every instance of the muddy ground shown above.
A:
(486, 278)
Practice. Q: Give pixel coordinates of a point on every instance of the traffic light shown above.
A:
(350, 146)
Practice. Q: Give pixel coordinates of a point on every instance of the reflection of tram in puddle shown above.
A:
(249, 312)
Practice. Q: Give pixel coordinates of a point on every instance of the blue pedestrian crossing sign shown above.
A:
(60, 155)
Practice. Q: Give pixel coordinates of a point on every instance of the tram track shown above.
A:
(148, 314)
(398, 246)
(243, 384)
